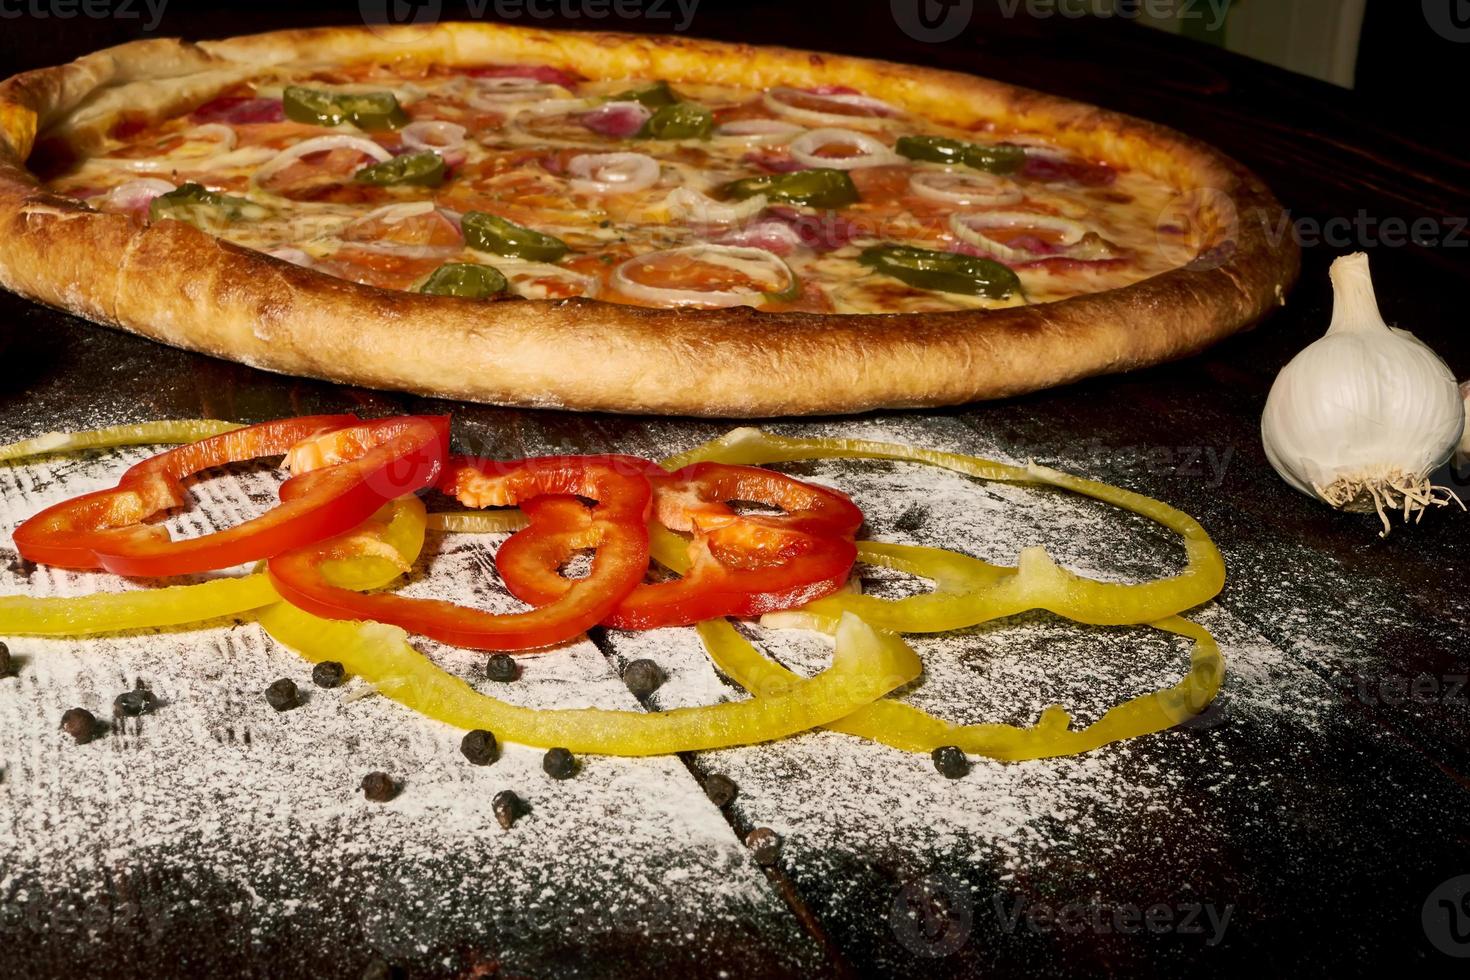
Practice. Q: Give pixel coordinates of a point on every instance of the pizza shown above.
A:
(618, 222)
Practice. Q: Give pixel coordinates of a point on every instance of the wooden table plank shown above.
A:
(1242, 810)
(1318, 811)
(217, 816)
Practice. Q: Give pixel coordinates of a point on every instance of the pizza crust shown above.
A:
(175, 284)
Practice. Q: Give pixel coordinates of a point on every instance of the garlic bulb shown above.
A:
(1462, 458)
(1361, 417)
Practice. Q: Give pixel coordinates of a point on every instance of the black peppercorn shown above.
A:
(721, 790)
(131, 704)
(7, 665)
(80, 725)
(508, 808)
(765, 844)
(502, 667)
(328, 673)
(379, 787)
(478, 746)
(283, 695)
(643, 677)
(559, 764)
(950, 761)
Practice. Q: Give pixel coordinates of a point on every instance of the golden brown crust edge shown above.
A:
(175, 284)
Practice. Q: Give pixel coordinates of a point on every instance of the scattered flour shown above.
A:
(218, 795)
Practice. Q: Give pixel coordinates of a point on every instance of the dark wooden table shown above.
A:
(1319, 807)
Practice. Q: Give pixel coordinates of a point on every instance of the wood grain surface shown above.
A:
(1301, 825)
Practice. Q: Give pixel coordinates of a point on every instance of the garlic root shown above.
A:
(1377, 493)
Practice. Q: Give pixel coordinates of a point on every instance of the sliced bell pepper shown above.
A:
(110, 612)
(696, 498)
(365, 110)
(366, 464)
(866, 666)
(953, 574)
(735, 565)
(905, 727)
(806, 568)
(369, 558)
(468, 280)
(506, 521)
(680, 121)
(133, 434)
(205, 209)
(820, 187)
(616, 527)
(945, 272)
(487, 232)
(1002, 158)
(423, 168)
(1038, 582)
(654, 96)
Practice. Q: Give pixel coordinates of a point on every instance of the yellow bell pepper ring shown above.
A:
(139, 434)
(1037, 582)
(366, 559)
(865, 667)
(903, 726)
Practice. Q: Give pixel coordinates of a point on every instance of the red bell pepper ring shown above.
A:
(735, 573)
(696, 498)
(742, 565)
(617, 527)
(105, 529)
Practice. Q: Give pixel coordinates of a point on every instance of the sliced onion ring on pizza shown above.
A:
(706, 275)
(821, 108)
(1023, 236)
(966, 189)
(867, 151)
(613, 173)
(319, 144)
(759, 130)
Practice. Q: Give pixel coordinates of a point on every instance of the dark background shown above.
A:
(1408, 76)
(1353, 161)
